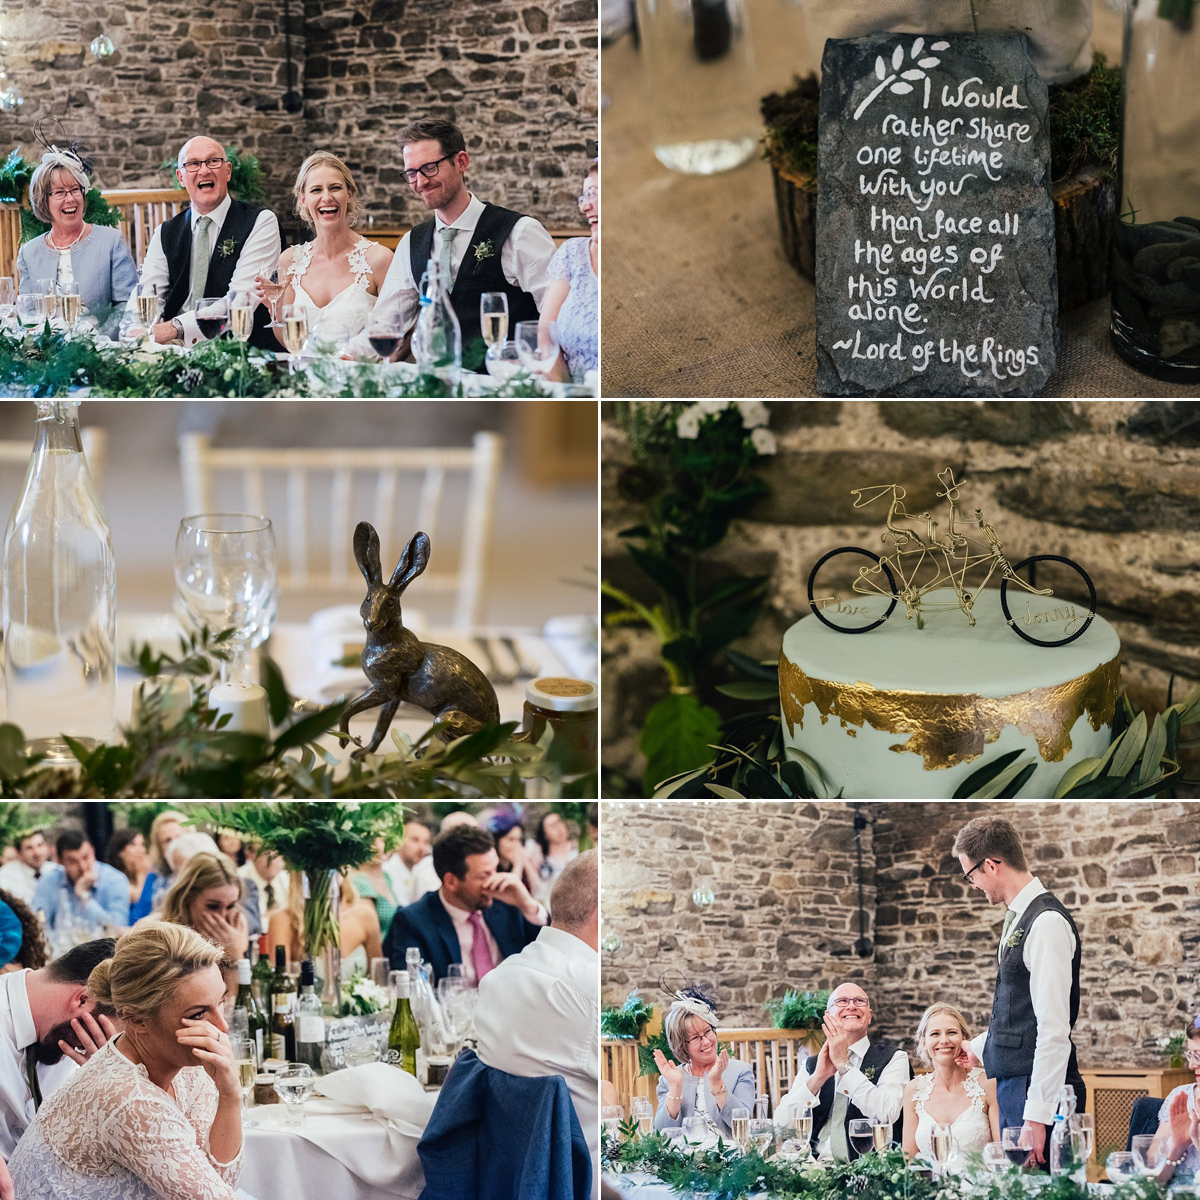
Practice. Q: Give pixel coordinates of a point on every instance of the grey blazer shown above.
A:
(739, 1086)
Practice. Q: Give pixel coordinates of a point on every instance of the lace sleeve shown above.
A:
(559, 266)
(299, 265)
(357, 258)
(166, 1149)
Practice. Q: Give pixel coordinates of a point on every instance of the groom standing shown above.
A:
(1027, 1048)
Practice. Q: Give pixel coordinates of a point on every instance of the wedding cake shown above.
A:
(907, 712)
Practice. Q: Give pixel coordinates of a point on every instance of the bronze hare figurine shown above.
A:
(446, 684)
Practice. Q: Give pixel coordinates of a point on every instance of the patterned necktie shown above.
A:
(481, 952)
(200, 252)
(445, 262)
(839, 1147)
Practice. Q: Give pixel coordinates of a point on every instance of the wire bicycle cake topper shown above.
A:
(943, 560)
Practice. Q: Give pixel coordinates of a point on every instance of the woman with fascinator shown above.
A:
(95, 257)
(704, 1084)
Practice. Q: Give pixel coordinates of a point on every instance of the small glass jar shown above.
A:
(264, 1089)
(1156, 248)
(570, 707)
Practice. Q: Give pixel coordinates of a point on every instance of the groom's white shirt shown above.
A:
(1047, 951)
(881, 1100)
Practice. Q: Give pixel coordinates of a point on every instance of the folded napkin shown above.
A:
(393, 1097)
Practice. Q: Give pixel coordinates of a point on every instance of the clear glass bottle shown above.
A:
(1156, 248)
(437, 338)
(60, 593)
(699, 73)
(310, 1025)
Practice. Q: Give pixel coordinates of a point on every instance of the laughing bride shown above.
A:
(951, 1093)
(336, 276)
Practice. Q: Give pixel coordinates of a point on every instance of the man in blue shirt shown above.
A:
(81, 890)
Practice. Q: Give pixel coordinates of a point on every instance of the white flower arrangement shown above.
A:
(366, 996)
(754, 415)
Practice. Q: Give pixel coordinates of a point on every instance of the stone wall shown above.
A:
(1113, 485)
(520, 79)
(785, 879)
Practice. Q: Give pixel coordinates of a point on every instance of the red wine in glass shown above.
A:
(211, 327)
(385, 345)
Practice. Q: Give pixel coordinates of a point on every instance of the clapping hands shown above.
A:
(838, 1039)
(1185, 1124)
(670, 1071)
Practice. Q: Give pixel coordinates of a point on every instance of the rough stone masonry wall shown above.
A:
(1113, 485)
(520, 78)
(785, 880)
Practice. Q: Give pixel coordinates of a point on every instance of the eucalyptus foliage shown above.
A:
(798, 1010)
(629, 1020)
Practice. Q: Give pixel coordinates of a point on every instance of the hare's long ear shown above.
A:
(412, 562)
(366, 552)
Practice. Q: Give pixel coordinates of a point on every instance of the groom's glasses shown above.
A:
(967, 876)
(429, 169)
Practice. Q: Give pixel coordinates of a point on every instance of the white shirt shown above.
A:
(17, 1031)
(539, 1014)
(881, 1100)
(524, 257)
(1047, 951)
(18, 879)
(259, 256)
(466, 936)
(279, 885)
(409, 884)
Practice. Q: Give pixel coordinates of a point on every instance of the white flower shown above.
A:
(763, 441)
(708, 407)
(754, 413)
(688, 424)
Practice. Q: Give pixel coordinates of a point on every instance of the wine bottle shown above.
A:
(403, 1038)
(256, 1019)
(310, 1026)
(261, 975)
(283, 996)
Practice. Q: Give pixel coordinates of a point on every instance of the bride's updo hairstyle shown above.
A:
(325, 158)
(149, 963)
(928, 1015)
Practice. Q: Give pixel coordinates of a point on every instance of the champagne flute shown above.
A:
(861, 1137)
(225, 578)
(536, 346)
(1085, 1124)
(941, 1145)
(295, 1084)
(273, 289)
(241, 313)
(8, 300)
(1018, 1144)
(643, 1113)
(47, 298)
(493, 317)
(212, 315)
(803, 1126)
(881, 1136)
(243, 1055)
(295, 330)
(72, 304)
(611, 1116)
(739, 1125)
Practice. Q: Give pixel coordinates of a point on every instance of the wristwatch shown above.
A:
(178, 324)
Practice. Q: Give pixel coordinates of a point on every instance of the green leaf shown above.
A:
(479, 744)
(1014, 788)
(1106, 787)
(684, 652)
(1002, 783)
(727, 626)
(820, 782)
(13, 763)
(1173, 724)
(792, 774)
(752, 667)
(1189, 709)
(1131, 742)
(1152, 755)
(278, 701)
(763, 786)
(635, 531)
(1084, 769)
(661, 572)
(309, 728)
(726, 589)
(980, 778)
(677, 737)
(724, 793)
(750, 689)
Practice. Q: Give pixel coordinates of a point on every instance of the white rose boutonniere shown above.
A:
(1014, 939)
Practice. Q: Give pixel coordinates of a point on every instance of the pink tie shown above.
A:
(481, 954)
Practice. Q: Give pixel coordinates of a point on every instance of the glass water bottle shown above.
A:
(60, 594)
(1156, 248)
(437, 338)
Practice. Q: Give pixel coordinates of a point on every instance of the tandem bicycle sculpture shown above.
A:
(955, 559)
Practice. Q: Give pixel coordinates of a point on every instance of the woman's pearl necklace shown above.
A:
(55, 246)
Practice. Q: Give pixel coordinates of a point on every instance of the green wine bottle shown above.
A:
(404, 1038)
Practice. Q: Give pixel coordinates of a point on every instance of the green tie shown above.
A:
(839, 1147)
(445, 261)
(1009, 918)
(200, 252)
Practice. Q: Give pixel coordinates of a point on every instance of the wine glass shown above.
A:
(493, 317)
(761, 1134)
(642, 1112)
(225, 579)
(273, 289)
(241, 313)
(47, 298)
(1148, 1157)
(295, 330)
(739, 1125)
(243, 1055)
(611, 1116)
(385, 333)
(29, 310)
(536, 346)
(502, 361)
(994, 1158)
(295, 1084)
(8, 300)
(1017, 1143)
(674, 1135)
(695, 1130)
(1085, 1125)
(212, 315)
(71, 303)
(861, 1137)
(1121, 1166)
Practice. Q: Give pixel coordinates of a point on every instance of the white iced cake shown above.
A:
(901, 712)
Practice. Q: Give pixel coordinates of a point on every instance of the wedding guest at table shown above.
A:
(573, 298)
(127, 852)
(358, 927)
(1178, 1133)
(82, 890)
(337, 275)
(72, 250)
(477, 917)
(371, 882)
(264, 869)
(539, 1010)
(49, 1023)
(853, 1076)
(485, 248)
(20, 875)
(156, 1113)
(22, 945)
(164, 829)
(215, 246)
(552, 848)
(508, 829)
(410, 869)
(700, 1082)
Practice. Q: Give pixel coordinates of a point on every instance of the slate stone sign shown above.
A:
(936, 272)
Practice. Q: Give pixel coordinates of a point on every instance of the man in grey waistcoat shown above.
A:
(1027, 1048)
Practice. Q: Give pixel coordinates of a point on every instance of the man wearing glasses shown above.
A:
(482, 247)
(1027, 1048)
(215, 246)
(852, 1077)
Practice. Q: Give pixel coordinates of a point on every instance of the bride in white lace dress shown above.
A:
(154, 1114)
(337, 275)
(950, 1094)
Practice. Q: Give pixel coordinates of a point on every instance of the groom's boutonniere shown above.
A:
(870, 1073)
(484, 250)
(1014, 939)
(227, 247)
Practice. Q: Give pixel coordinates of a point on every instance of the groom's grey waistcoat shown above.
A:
(878, 1055)
(1012, 1031)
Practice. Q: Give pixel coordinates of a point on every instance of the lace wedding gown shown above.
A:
(349, 311)
(108, 1133)
(971, 1128)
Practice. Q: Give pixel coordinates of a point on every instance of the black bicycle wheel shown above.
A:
(849, 604)
(1063, 612)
